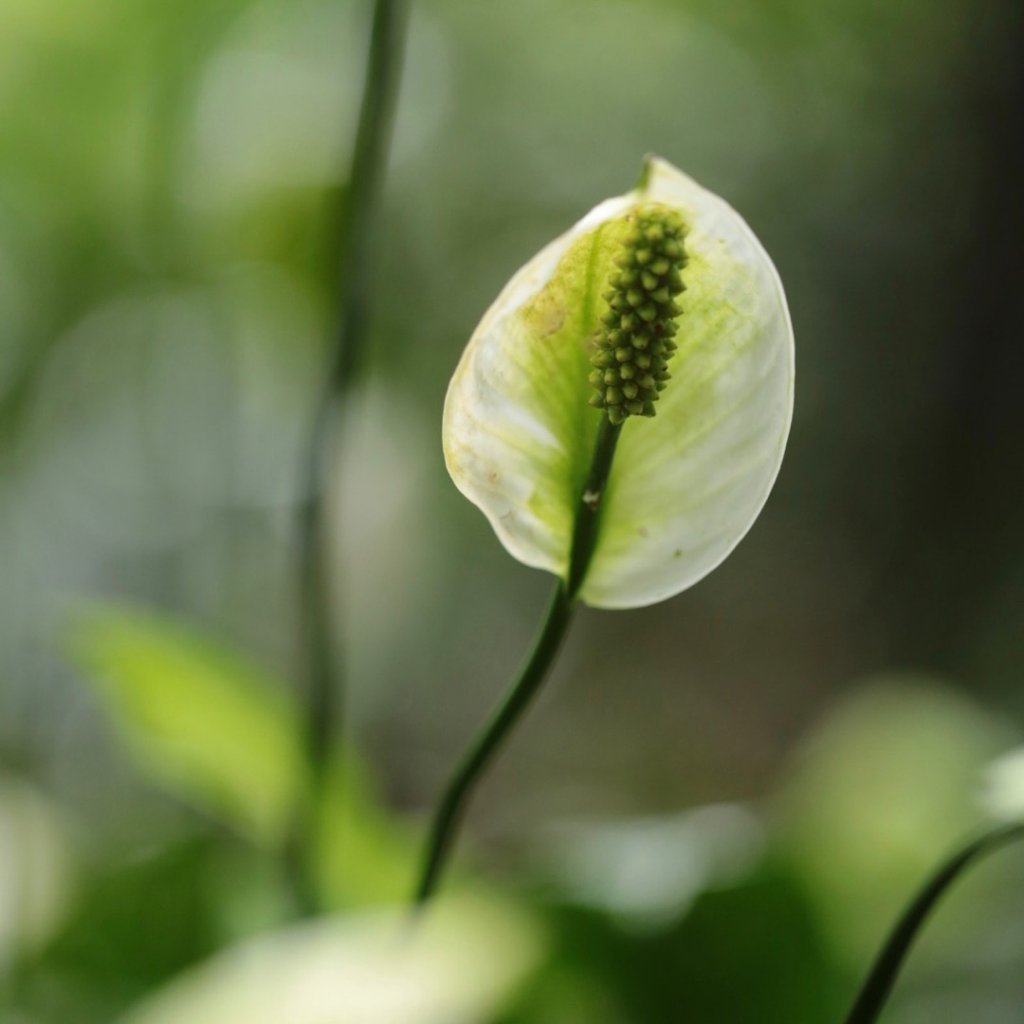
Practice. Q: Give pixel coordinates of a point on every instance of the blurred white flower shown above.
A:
(456, 967)
(1002, 793)
(35, 868)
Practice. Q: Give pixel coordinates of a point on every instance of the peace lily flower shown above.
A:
(662, 308)
(619, 415)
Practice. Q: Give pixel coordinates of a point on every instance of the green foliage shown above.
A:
(366, 855)
(140, 920)
(165, 293)
(198, 718)
(746, 953)
(888, 963)
(879, 792)
(224, 737)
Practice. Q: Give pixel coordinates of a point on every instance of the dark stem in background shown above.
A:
(456, 795)
(876, 989)
(324, 707)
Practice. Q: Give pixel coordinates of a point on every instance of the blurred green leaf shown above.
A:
(221, 734)
(887, 966)
(365, 856)
(884, 785)
(138, 922)
(747, 954)
(197, 718)
(141, 919)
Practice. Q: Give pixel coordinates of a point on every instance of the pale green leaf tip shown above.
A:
(645, 173)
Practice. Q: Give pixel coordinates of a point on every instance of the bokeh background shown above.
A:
(720, 802)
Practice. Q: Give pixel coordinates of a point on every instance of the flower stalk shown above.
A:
(324, 683)
(622, 518)
(470, 770)
(878, 985)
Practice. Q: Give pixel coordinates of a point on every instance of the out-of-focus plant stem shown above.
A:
(452, 806)
(324, 682)
(876, 989)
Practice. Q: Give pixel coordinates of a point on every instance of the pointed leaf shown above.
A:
(201, 720)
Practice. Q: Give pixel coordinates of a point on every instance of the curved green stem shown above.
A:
(588, 510)
(323, 683)
(452, 806)
(885, 970)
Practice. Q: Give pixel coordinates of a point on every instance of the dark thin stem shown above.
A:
(453, 803)
(452, 807)
(885, 970)
(323, 701)
(588, 511)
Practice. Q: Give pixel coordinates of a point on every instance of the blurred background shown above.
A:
(720, 802)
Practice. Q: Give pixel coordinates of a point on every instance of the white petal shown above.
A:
(685, 485)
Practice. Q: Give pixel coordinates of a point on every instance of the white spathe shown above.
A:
(685, 485)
